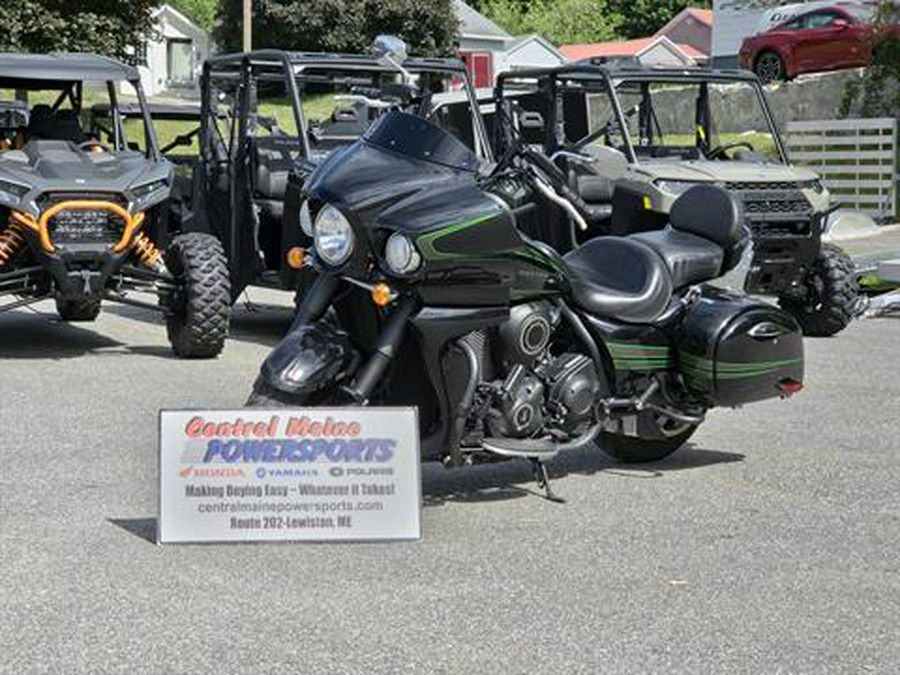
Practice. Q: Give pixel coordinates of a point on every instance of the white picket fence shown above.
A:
(858, 159)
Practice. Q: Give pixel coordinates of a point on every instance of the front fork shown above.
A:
(312, 309)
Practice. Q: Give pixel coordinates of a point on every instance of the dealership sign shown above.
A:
(312, 474)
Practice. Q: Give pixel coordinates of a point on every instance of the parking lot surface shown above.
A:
(769, 545)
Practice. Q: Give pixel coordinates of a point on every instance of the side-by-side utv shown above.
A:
(267, 119)
(84, 212)
(657, 132)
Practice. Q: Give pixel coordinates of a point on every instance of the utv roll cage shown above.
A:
(250, 171)
(587, 77)
(67, 73)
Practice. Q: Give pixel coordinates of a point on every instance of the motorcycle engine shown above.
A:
(541, 392)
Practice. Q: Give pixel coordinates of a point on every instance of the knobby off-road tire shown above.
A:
(78, 310)
(833, 295)
(198, 320)
(633, 450)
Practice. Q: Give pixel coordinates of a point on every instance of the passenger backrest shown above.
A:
(713, 213)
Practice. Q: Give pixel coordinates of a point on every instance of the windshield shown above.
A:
(409, 135)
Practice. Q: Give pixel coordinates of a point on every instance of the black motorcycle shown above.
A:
(429, 293)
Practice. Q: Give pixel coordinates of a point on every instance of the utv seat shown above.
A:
(705, 237)
(620, 278)
(273, 160)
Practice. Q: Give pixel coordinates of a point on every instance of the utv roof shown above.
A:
(60, 68)
(629, 70)
(326, 60)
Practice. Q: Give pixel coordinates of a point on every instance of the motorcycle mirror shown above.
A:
(389, 49)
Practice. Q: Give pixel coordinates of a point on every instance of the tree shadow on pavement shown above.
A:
(255, 323)
(515, 479)
(29, 335)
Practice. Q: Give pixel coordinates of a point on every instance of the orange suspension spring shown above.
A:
(147, 252)
(11, 240)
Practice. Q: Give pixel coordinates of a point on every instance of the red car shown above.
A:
(828, 38)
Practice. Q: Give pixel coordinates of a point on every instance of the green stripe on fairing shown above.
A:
(725, 370)
(627, 356)
(426, 241)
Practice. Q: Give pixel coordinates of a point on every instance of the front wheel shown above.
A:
(200, 309)
(78, 310)
(635, 450)
(832, 298)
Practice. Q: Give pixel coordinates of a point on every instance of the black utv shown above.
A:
(84, 210)
(653, 134)
(268, 118)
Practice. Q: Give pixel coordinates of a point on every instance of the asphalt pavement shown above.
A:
(769, 545)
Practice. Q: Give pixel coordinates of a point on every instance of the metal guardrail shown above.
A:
(858, 159)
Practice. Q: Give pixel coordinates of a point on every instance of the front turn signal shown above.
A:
(381, 294)
(296, 256)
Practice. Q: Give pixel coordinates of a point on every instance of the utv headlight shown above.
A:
(333, 236)
(148, 189)
(816, 186)
(401, 255)
(676, 188)
(15, 190)
(306, 223)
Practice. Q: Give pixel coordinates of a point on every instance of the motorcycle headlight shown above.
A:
(333, 236)
(676, 188)
(401, 255)
(306, 223)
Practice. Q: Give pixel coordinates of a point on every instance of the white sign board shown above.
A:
(314, 474)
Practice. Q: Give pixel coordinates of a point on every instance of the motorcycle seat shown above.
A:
(690, 259)
(620, 278)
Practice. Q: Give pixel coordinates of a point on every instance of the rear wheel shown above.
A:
(832, 295)
(200, 310)
(635, 450)
(769, 67)
(78, 310)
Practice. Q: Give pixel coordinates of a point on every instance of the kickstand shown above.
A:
(543, 481)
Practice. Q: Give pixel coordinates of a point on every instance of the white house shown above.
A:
(653, 51)
(174, 54)
(488, 50)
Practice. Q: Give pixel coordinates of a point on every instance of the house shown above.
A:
(692, 27)
(488, 50)
(652, 51)
(174, 54)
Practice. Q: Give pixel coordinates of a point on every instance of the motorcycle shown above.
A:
(429, 292)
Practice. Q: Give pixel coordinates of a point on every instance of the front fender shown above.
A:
(312, 357)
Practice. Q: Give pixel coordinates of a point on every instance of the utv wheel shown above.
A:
(78, 310)
(634, 450)
(201, 307)
(832, 298)
(769, 68)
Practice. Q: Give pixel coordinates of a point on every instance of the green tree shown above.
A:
(428, 26)
(201, 12)
(111, 27)
(560, 21)
(643, 18)
(877, 94)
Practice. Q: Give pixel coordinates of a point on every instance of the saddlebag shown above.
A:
(733, 350)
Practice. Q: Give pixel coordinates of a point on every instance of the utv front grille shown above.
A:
(775, 209)
(88, 226)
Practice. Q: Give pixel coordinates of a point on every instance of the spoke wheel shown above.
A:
(769, 67)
